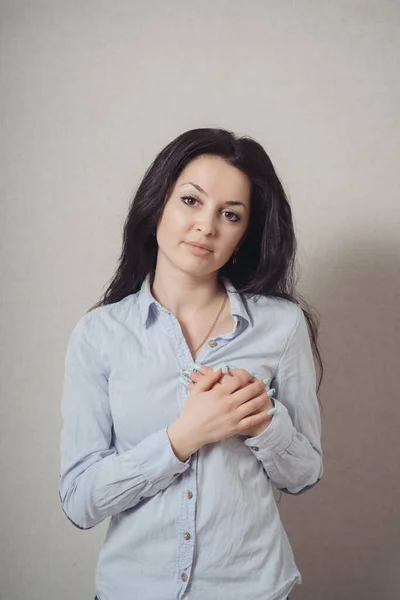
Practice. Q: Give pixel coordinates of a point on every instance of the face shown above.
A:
(208, 205)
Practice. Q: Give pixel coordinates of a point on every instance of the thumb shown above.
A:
(208, 381)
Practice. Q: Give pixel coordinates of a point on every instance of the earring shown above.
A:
(234, 256)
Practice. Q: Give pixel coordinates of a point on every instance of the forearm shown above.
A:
(182, 445)
(289, 459)
(91, 491)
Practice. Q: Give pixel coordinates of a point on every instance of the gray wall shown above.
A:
(90, 91)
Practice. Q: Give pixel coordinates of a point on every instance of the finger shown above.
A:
(203, 369)
(198, 372)
(195, 376)
(207, 382)
(196, 368)
(254, 420)
(255, 405)
(252, 390)
(244, 376)
(239, 378)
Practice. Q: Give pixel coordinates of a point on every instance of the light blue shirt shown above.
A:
(207, 528)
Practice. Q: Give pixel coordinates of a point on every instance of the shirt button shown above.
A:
(184, 577)
(186, 535)
(189, 494)
(212, 343)
(255, 448)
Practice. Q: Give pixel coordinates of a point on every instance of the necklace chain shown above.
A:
(212, 326)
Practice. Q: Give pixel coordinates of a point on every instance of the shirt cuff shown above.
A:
(156, 459)
(276, 438)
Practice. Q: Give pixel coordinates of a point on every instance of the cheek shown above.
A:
(232, 238)
(173, 221)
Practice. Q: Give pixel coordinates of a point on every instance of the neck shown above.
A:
(183, 294)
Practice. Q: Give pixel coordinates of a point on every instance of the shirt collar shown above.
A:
(238, 303)
(147, 301)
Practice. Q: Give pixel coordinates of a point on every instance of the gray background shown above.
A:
(90, 92)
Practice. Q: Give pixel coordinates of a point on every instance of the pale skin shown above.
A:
(208, 204)
(219, 406)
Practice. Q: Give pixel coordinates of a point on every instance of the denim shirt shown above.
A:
(207, 528)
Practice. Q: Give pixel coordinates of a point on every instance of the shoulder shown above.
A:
(274, 312)
(282, 321)
(104, 320)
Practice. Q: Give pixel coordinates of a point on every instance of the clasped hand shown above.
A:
(217, 407)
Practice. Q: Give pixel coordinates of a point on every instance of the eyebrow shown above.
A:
(200, 189)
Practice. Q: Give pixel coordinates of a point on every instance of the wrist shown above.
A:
(258, 430)
(183, 445)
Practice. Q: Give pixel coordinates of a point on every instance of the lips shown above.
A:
(198, 245)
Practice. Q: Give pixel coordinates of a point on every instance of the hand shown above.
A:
(265, 407)
(216, 409)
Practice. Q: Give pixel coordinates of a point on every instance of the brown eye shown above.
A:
(189, 200)
(232, 214)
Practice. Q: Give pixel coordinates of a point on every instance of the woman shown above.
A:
(179, 448)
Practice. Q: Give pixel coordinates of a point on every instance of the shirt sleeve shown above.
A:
(95, 481)
(290, 447)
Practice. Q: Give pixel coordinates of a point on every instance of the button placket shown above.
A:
(187, 522)
(186, 526)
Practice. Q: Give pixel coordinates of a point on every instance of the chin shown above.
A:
(191, 268)
(191, 265)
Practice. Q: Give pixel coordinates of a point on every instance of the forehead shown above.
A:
(217, 178)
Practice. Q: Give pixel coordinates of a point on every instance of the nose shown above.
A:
(206, 224)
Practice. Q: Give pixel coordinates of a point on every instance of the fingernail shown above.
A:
(272, 410)
(222, 365)
(267, 380)
(197, 367)
(271, 392)
(252, 374)
(215, 369)
(185, 380)
(186, 372)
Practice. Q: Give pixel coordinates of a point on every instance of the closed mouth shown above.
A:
(202, 246)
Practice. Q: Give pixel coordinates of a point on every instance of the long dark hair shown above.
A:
(266, 260)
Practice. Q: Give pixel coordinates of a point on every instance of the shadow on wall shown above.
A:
(345, 532)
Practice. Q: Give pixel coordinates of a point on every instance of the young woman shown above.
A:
(190, 388)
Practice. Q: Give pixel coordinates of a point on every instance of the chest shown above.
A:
(145, 390)
(198, 332)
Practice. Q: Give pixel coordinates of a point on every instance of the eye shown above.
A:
(232, 214)
(229, 214)
(189, 200)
